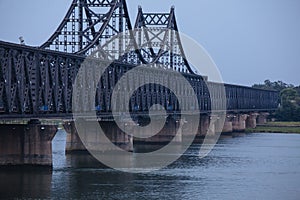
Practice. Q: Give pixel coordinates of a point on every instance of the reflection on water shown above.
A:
(257, 166)
(25, 182)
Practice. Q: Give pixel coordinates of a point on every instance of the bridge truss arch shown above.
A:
(88, 24)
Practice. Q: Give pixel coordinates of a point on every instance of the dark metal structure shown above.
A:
(159, 32)
(37, 82)
(88, 24)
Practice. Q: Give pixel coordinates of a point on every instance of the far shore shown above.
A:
(276, 127)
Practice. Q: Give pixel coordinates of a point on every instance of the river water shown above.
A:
(254, 166)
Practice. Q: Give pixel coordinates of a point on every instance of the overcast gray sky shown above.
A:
(249, 40)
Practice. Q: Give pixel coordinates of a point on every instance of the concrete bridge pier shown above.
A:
(223, 124)
(171, 131)
(26, 144)
(209, 125)
(179, 133)
(73, 141)
(92, 138)
(190, 127)
(262, 118)
(117, 136)
(203, 126)
(239, 123)
(251, 120)
(227, 128)
(214, 125)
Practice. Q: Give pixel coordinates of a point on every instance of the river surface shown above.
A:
(254, 166)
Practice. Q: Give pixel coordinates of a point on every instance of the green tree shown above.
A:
(276, 85)
(288, 94)
(289, 99)
(289, 109)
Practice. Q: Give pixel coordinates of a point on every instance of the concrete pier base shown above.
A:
(29, 144)
(213, 125)
(262, 118)
(190, 128)
(204, 125)
(227, 128)
(166, 135)
(117, 136)
(251, 120)
(209, 125)
(239, 123)
(73, 141)
(92, 139)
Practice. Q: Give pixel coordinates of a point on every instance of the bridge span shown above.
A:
(36, 83)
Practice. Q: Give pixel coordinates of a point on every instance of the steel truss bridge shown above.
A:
(36, 82)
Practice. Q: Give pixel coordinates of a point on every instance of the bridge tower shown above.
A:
(88, 24)
(159, 41)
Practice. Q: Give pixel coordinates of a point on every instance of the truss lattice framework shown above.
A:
(159, 40)
(89, 23)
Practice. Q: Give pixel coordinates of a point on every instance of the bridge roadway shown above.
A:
(37, 83)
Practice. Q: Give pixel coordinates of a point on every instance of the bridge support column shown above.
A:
(213, 125)
(239, 123)
(190, 127)
(262, 118)
(251, 120)
(204, 125)
(169, 132)
(179, 133)
(117, 136)
(209, 125)
(29, 144)
(227, 128)
(73, 141)
(92, 138)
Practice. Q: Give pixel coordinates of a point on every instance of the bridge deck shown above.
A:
(38, 83)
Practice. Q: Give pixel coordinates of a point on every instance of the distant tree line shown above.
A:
(289, 109)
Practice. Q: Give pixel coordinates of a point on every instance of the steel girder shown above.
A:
(35, 82)
(39, 83)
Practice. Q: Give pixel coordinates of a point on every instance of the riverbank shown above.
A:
(276, 127)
